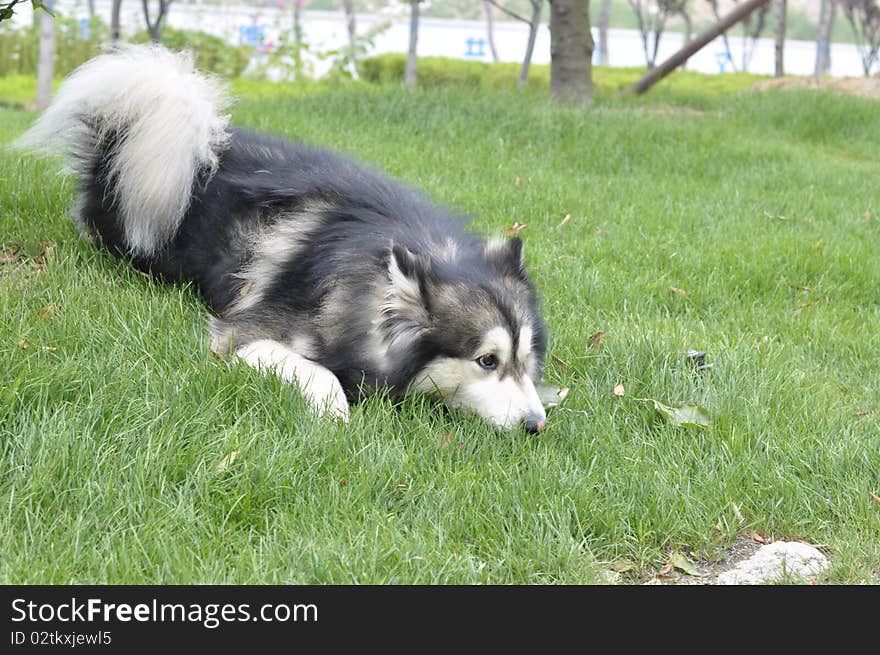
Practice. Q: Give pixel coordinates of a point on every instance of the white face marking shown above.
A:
(524, 347)
(497, 342)
(505, 401)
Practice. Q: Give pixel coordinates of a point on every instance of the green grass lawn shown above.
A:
(763, 208)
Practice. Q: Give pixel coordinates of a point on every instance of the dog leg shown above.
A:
(318, 384)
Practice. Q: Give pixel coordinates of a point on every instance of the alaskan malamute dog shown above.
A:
(317, 269)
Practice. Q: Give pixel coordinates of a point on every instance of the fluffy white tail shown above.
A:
(165, 122)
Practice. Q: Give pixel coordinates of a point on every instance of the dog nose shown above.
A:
(534, 424)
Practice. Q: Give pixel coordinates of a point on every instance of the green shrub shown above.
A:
(19, 48)
(211, 53)
(441, 71)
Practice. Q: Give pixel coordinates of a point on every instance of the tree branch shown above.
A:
(507, 11)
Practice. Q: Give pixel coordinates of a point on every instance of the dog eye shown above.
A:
(488, 362)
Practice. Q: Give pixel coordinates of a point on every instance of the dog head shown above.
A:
(469, 319)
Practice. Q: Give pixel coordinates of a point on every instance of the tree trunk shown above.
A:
(91, 4)
(46, 61)
(604, 21)
(688, 27)
(298, 68)
(827, 13)
(155, 27)
(740, 12)
(114, 20)
(490, 29)
(411, 74)
(571, 52)
(352, 34)
(781, 8)
(537, 7)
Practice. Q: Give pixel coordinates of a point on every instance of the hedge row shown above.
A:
(19, 48)
(440, 71)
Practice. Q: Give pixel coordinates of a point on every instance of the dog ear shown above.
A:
(507, 256)
(405, 308)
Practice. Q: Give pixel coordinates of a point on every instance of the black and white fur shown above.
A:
(316, 268)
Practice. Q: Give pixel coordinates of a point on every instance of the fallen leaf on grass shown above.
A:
(757, 536)
(517, 181)
(680, 292)
(226, 462)
(24, 344)
(739, 516)
(619, 390)
(343, 481)
(50, 349)
(665, 570)
(683, 564)
(874, 497)
(763, 341)
(599, 231)
(562, 366)
(550, 395)
(564, 221)
(622, 566)
(596, 339)
(867, 216)
(516, 228)
(687, 415)
(48, 312)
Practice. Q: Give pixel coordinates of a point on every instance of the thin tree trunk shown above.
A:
(46, 61)
(781, 8)
(688, 27)
(411, 74)
(91, 5)
(571, 51)
(352, 34)
(537, 7)
(604, 21)
(298, 67)
(490, 29)
(114, 20)
(155, 27)
(827, 12)
(740, 12)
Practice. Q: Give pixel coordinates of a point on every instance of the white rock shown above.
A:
(781, 559)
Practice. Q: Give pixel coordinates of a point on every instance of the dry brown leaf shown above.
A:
(564, 222)
(757, 536)
(562, 366)
(445, 439)
(623, 566)
(596, 339)
(516, 228)
(666, 569)
(49, 311)
(600, 231)
(619, 390)
(246, 288)
(343, 481)
(863, 413)
(874, 497)
(517, 181)
(867, 215)
(680, 292)
(226, 462)
(737, 513)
